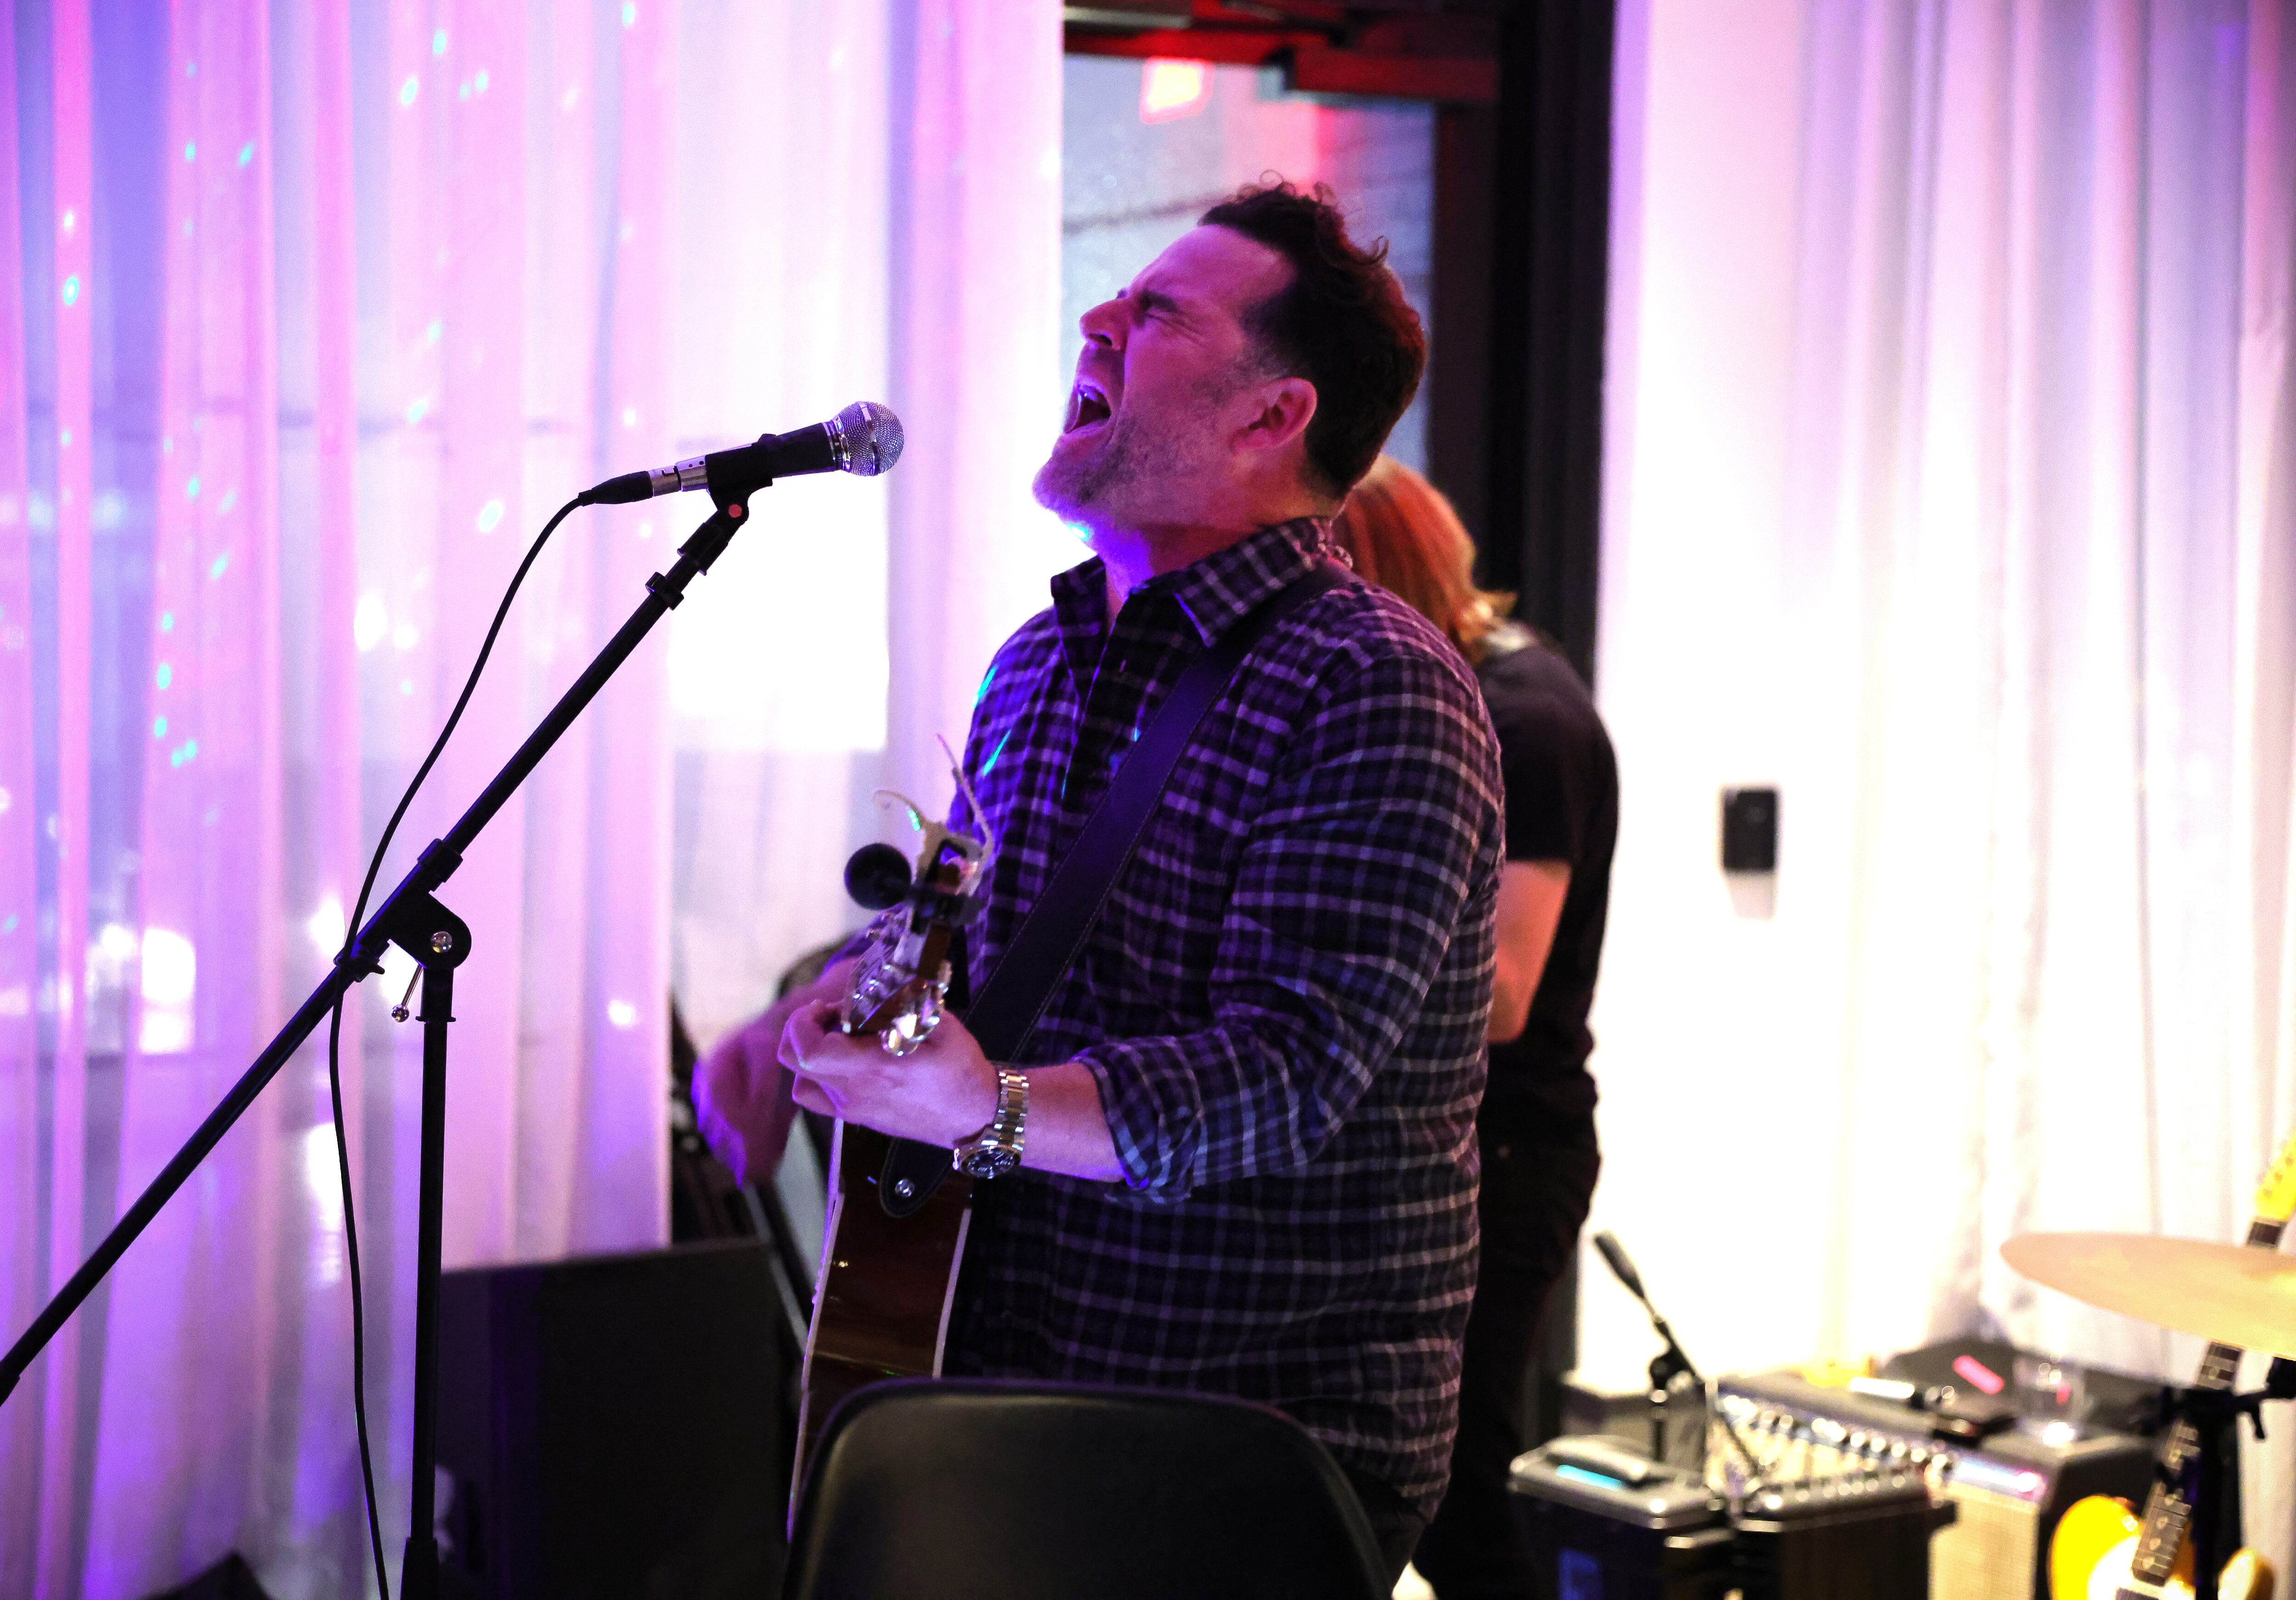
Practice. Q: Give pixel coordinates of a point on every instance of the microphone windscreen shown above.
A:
(873, 437)
(1615, 1254)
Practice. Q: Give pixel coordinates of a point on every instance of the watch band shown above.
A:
(996, 1149)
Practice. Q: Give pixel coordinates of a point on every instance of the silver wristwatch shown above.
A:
(996, 1149)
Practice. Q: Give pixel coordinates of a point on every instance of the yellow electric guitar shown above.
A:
(2093, 1557)
(2102, 1550)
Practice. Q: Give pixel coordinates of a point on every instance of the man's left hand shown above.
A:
(942, 1092)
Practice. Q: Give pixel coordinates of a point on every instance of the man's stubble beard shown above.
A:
(1104, 485)
(1139, 477)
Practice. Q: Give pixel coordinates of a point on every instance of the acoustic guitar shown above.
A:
(897, 1211)
(2102, 1549)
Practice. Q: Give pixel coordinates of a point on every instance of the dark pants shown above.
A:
(1394, 1523)
(1537, 1179)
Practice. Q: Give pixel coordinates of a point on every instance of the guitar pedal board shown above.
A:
(2007, 1489)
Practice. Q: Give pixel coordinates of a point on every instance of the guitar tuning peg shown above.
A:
(877, 876)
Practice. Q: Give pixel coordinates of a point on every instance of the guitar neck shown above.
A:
(2168, 1512)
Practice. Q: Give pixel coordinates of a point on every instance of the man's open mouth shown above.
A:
(1087, 408)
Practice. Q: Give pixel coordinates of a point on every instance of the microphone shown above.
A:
(1615, 1253)
(864, 439)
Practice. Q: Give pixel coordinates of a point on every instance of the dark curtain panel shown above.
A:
(1516, 419)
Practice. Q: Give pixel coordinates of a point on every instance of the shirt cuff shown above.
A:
(1147, 1092)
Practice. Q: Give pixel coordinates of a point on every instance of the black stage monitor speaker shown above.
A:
(616, 1426)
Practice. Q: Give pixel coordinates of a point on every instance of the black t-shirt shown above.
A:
(1562, 805)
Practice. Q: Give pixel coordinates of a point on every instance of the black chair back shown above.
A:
(927, 1490)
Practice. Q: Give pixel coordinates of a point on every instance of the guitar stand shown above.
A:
(440, 941)
(2214, 1414)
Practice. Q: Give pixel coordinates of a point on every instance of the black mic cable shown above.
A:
(335, 1032)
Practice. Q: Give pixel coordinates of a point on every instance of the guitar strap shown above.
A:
(1005, 1011)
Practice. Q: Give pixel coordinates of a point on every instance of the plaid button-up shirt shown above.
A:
(1282, 1002)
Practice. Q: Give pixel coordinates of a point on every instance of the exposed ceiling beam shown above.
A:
(1427, 54)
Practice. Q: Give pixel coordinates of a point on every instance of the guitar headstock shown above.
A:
(2276, 1196)
(897, 990)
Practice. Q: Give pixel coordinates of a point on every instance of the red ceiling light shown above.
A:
(1171, 89)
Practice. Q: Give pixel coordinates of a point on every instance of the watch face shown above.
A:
(990, 1161)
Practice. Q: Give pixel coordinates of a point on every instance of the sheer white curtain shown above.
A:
(1949, 488)
(906, 215)
(311, 314)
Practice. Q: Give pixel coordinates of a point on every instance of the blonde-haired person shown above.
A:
(1536, 1124)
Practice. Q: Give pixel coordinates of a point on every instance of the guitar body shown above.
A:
(2091, 1556)
(887, 1283)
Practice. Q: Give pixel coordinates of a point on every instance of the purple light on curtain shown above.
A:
(625, 994)
(976, 179)
(575, 75)
(458, 200)
(333, 304)
(314, 224)
(215, 572)
(21, 1126)
(210, 982)
(72, 198)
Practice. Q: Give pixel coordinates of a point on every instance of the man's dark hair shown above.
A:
(1341, 323)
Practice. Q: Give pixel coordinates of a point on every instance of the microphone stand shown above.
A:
(1670, 1364)
(440, 941)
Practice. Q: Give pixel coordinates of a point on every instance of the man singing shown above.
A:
(1248, 1162)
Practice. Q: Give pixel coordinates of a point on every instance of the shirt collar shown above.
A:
(1220, 591)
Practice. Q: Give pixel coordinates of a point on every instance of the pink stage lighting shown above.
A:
(1171, 89)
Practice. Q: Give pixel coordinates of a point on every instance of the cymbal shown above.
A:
(2227, 1293)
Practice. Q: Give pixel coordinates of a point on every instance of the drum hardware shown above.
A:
(2238, 1297)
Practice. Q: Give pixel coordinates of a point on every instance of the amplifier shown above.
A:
(1866, 1534)
(2007, 1490)
(1600, 1522)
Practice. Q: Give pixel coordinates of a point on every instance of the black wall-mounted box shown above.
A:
(1750, 830)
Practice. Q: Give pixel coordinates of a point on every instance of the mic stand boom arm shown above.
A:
(415, 921)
